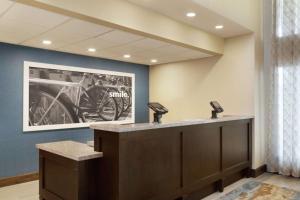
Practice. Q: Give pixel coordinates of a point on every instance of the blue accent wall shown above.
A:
(18, 154)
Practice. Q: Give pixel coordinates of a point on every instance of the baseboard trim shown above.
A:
(258, 171)
(18, 179)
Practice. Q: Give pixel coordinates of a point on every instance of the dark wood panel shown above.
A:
(172, 163)
(59, 179)
(235, 177)
(201, 152)
(66, 179)
(235, 144)
(258, 171)
(107, 173)
(187, 162)
(150, 165)
(86, 179)
(203, 192)
(46, 195)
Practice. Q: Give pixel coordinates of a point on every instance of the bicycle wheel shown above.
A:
(40, 99)
(98, 101)
(120, 102)
(127, 100)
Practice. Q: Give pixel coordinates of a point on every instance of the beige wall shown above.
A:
(237, 76)
(249, 14)
(232, 79)
(186, 88)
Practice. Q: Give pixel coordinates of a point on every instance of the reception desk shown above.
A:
(170, 161)
(66, 171)
(181, 160)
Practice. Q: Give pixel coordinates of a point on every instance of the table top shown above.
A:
(119, 128)
(70, 149)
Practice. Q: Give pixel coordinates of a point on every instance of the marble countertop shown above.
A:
(147, 126)
(70, 149)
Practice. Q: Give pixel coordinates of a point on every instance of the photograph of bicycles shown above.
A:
(59, 97)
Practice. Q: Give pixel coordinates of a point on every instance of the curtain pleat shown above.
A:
(283, 152)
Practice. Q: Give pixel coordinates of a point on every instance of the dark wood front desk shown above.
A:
(175, 161)
(171, 162)
(67, 171)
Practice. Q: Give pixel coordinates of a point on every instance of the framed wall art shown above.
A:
(60, 97)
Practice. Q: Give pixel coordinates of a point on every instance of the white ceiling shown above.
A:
(29, 26)
(205, 20)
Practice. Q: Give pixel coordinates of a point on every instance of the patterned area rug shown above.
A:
(261, 191)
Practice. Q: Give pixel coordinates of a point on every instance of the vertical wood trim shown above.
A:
(41, 170)
(250, 142)
(181, 159)
(221, 148)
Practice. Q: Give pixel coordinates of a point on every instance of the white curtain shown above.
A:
(283, 153)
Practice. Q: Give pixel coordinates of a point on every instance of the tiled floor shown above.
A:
(29, 191)
(24, 191)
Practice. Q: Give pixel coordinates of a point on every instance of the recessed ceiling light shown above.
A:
(126, 55)
(91, 49)
(219, 27)
(47, 42)
(191, 14)
(154, 60)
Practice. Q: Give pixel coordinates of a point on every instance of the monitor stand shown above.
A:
(157, 117)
